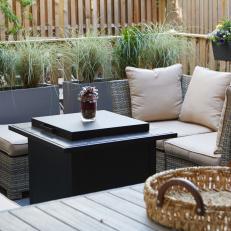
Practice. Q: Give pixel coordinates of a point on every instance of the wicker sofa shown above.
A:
(14, 169)
(171, 158)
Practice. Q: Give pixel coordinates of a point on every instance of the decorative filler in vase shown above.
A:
(88, 99)
(221, 41)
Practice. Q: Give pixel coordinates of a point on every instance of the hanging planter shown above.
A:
(222, 51)
(221, 41)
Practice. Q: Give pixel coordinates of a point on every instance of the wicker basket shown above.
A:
(196, 198)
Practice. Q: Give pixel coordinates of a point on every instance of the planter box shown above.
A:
(71, 91)
(222, 52)
(20, 105)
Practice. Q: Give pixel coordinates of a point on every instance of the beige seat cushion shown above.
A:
(155, 94)
(176, 126)
(196, 148)
(205, 97)
(12, 143)
(6, 204)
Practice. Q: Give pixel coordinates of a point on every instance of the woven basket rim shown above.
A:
(153, 192)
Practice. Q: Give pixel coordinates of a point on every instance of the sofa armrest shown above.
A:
(121, 100)
(224, 131)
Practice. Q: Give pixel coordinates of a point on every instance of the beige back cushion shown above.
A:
(205, 97)
(155, 94)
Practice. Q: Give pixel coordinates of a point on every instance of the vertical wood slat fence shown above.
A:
(202, 16)
(62, 18)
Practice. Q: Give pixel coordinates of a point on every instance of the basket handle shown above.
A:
(200, 208)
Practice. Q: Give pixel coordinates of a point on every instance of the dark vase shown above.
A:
(88, 103)
(222, 51)
(88, 109)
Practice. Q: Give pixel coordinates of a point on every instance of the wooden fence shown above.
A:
(202, 55)
(62, 18)
(202, 16)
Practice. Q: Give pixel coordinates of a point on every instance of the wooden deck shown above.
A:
(117, 209)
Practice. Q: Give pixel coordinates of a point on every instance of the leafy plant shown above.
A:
(162, 47)
(89, 57)
(149, 46)
(222, 33)
(128, 48)
(34, 61)
(8, 58)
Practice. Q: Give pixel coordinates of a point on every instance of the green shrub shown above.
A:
(8, 59)
(34, 62)
(128, 48)
(161, 47)
(89, 57)
(149, 46)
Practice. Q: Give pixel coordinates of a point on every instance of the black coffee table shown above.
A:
(68, 157)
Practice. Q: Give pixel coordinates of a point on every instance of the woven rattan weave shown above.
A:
(180, 210)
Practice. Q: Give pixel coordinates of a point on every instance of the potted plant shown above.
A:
(221, 41)
(88, 60)
(149, 46)
(25, 93)
(8, 58)
(128, 48)
(90, 57)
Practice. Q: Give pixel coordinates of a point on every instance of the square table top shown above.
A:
(139, 132)
(70, 126)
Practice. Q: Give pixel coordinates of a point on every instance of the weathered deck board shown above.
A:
(106, 215)
(130, 195)
(138, 188)
(124, 207)
(73, 217)
(117, 209)
(9, 222)
(40, 220)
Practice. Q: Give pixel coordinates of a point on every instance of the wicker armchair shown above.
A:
(122, 105)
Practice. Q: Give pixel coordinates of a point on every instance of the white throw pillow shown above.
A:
(205, 97)
(155, 94)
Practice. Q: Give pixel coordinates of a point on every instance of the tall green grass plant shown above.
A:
(149, 46)
(88, 58)
(8, 59)
(34, 62)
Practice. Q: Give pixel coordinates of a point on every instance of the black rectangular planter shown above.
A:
(20, 105)
(222, 52)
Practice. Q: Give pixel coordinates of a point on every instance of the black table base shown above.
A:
(56, 173)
